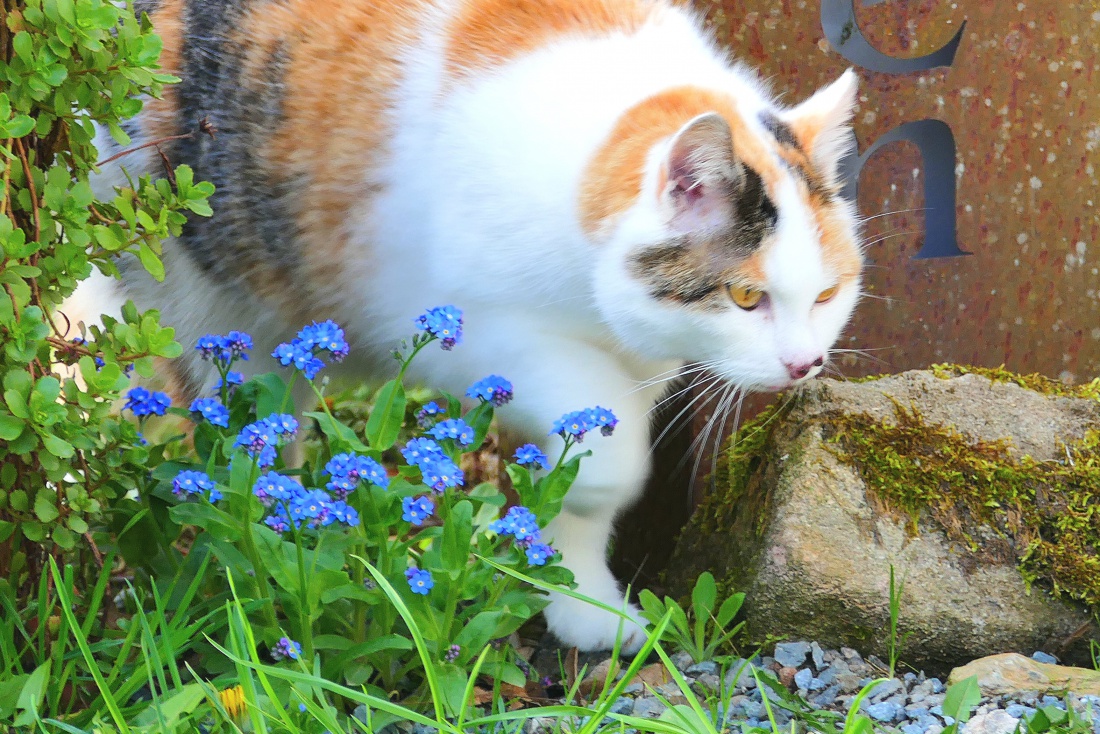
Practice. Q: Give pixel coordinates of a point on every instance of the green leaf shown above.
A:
(704, 595)
(59, 447)
(204, 515)
(457, 532)
(342, 437)
(63, 537)
(961, 698)
(384, 423)
(34, 690)
(19, 126)
(151, 261)
(730, 607)
(10, 427)
(45, 505)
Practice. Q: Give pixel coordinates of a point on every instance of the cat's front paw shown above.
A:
(588, 628)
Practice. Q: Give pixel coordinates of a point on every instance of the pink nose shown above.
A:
(798, 370)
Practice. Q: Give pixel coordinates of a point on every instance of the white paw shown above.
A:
(588, 627)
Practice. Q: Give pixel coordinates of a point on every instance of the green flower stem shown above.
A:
(289, 388)
(253, 553)
(305, 627)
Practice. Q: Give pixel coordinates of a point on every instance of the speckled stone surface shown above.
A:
(1021, 101)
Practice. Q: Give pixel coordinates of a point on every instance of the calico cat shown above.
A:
(593, 183)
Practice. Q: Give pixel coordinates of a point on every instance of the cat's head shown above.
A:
(722, 232)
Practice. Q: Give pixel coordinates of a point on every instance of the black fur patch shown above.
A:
(694, 269)
(252, 233)
(780, 130)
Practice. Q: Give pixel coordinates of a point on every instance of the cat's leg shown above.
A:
(554, 375)
(582, 541)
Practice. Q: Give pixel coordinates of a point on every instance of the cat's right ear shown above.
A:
(699, 173)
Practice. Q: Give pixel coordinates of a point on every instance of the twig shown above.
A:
(30, 185)
(150, 144)
(205, 127)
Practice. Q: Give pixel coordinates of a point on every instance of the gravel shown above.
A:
(827, 681)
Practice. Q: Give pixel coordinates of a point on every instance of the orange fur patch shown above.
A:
(613, 179)
(160, 116)
(488, 33)
(839, 251)
(345, 65)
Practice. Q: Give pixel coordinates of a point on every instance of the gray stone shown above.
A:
(1044, 657)
(884, 689)
(648, 708)
(992, 722)
(817, 655)
(710, 683)
(623, 705)
(707, 667)
(1011, 673)
(792, 654)
(739, 674)
(812, 552)
(849, 682)
(682, 661)
(826, 697)
(634, 689)
(884, 711)
(803, 678)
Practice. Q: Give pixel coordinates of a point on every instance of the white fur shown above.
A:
(479, 209)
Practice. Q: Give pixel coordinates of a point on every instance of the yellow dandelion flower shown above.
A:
(233, 701)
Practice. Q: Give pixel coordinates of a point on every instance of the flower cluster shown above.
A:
(438, 470)
(580, 422)
(189, 482)
(211, 410)
(232, 379)
(427, 412)
(261, 438)
(452, 653)
(529, 453)
(416, 510)
(224, 350)
(145, 402)
(347, 470)
(420, 581)
(302, 351)
(492, 389)
(286, 648)
(296, 505)
(522, 525)
(453, 428)
(444, 323)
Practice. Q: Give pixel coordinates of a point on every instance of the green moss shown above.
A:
(1045, 515)
(740, 460)
(1036, 382)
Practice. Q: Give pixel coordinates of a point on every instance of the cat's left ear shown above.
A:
(699, 174)
(821, 124)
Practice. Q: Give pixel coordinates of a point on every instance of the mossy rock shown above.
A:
(982, 492)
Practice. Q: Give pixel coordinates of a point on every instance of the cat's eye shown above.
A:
(746, 298)
(826, 295)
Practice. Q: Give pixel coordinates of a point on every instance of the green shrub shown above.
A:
(66, 65)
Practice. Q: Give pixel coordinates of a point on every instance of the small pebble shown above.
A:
(623, 706)
(649, 708)
(787, 674)
(633, 689)
(884, 711)
(884, 689)
(792, 654)
(817, 655)
(1044, 657)
(803, 678)
(708, 667)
